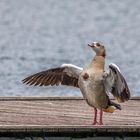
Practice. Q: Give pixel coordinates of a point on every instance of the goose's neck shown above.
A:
(98, 62)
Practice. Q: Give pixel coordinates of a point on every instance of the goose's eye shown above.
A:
(98, 44)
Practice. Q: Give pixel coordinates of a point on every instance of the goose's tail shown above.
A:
(112, 106)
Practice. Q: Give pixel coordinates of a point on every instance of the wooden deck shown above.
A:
(64, 115)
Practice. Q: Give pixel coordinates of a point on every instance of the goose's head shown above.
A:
(98, 48)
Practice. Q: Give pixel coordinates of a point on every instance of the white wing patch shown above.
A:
(72, 66)
(72, 70)
(115, 66)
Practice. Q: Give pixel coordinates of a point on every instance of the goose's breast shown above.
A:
(92, 88)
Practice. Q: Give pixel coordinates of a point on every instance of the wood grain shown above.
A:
(51, 113)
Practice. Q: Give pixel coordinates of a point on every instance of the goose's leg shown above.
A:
(95, 116)
(101, 117)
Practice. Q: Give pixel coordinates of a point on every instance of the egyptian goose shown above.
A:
(94, 83)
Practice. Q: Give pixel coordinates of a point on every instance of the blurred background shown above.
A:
(39, 34)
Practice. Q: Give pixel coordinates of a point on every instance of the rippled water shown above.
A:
(39, 34)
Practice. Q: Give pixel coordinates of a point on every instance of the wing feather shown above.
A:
(67, 74)
(116, 84)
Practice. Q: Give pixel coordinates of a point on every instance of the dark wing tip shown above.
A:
(55, 76)
(43, 78)
(124, 95)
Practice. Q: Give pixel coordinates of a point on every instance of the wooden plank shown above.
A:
(64, 114)
(52, 98)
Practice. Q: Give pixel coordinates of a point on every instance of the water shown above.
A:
(39, 34)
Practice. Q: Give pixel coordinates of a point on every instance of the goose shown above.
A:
(93, 81)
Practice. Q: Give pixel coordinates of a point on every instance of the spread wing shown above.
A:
(116, 84)
(67, 74)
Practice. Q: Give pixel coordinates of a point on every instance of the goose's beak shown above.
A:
(91, 45)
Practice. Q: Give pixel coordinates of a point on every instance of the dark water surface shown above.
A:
(39, 34)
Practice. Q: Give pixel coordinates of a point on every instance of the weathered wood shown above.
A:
(64, 114)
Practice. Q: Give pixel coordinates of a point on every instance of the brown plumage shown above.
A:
(51, 77)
